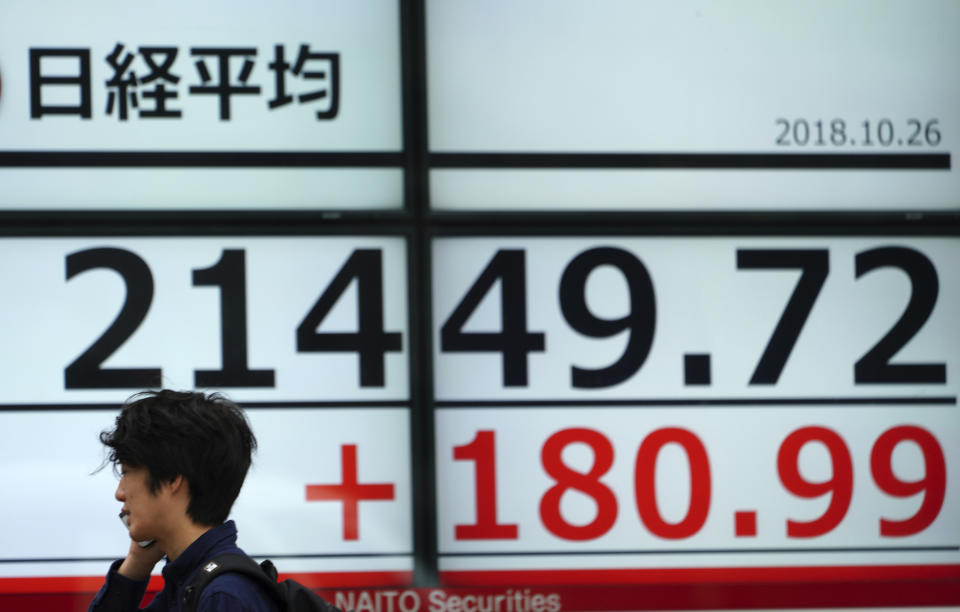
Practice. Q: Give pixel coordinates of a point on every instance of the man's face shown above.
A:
(143, 507)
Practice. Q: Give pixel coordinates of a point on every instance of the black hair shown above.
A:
(204, 438)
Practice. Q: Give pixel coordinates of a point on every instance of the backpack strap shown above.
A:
(240, 564)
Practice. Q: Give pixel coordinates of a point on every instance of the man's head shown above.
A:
(203, 438)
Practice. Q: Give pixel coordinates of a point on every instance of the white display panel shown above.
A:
(309, 334)
(615, 317)
(44, 536)
(693, 105)
(181, 306)
(103, 107)
(595, 488)
(662, 408)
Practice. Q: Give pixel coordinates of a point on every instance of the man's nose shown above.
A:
(119, 494)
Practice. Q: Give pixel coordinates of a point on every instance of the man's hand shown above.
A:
(140, 561)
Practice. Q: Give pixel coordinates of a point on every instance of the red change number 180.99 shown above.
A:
(482, 449)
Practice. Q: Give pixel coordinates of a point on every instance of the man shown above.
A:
(182, 459)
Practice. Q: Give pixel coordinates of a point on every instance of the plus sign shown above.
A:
(350, 492)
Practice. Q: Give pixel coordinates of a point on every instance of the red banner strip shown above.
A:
(597, 598)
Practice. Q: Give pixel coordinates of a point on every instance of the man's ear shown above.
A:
(176, 484)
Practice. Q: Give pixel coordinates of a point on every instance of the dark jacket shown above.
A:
(226, 593)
